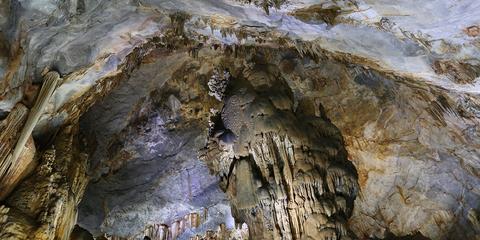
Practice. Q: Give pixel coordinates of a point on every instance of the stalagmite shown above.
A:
(192, 221)
(157, 232)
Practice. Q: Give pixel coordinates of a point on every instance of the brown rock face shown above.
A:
(44, 206)
(472, 31)
(462, 73)
(285, 170)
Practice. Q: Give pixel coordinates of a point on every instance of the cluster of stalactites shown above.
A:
(301, 193)
(13, 166)
(293, 194)
(290, 185)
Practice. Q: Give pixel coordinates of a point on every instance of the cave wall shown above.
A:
(44, 205)
(402, 88)
(414, 147)
(193, 92)
(147, 178)
(424, 157)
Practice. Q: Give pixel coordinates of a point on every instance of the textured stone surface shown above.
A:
(10, 130)
(44, 206)
(286, 172)
(145, 163)
(72, 38)
(398, 79)
(409, 145)
(23, 167)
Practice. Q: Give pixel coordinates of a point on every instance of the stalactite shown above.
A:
(178, 20)
(9, 131)
(50, 83)
(287, 175)
(318, 13)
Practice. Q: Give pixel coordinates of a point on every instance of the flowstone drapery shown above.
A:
(285, 170)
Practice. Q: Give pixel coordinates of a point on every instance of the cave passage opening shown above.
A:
(199, 145)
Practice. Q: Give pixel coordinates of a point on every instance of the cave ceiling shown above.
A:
(239, 119)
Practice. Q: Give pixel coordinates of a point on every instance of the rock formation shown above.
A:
(10, 129)
(192, 221)
(292, 119)
(285, 169)
(44, 205)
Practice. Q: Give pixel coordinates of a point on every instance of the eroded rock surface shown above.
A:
(396, 80)
(147, 172)
(44, 206)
